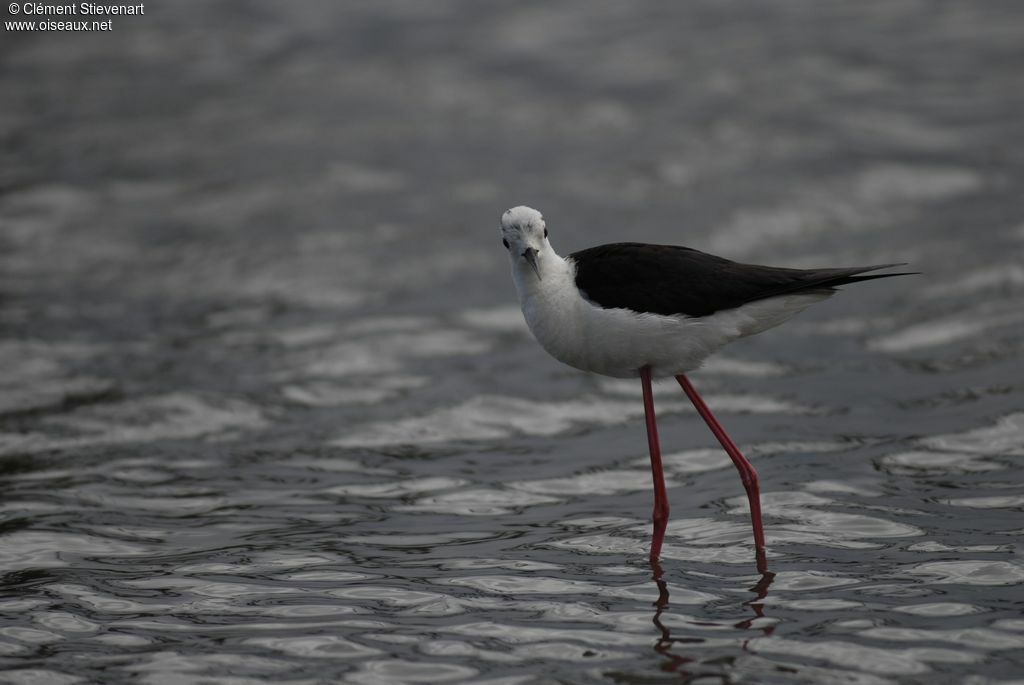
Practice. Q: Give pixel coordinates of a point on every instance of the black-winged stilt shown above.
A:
(632, 309)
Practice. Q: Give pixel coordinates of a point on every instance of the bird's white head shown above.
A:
(525, 235)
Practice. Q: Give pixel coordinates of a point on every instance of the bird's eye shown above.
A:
(545, 232)
(505, 243)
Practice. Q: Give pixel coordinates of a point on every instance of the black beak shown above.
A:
(530, 254)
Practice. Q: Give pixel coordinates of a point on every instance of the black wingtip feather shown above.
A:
(853, 275)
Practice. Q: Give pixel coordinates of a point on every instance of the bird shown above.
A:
(637, 310)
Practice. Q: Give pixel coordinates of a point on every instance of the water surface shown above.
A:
(270, 413)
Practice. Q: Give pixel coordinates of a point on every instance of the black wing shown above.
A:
(664, 279)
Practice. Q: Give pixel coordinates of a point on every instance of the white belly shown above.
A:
(619, 342)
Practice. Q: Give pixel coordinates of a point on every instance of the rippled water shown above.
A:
(270, 413)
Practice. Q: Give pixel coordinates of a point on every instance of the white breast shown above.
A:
(618, 342)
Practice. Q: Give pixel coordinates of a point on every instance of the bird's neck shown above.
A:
(551, 304)
(555, 275)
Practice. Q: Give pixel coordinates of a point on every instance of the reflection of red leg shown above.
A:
(747, 473)
(660, 494)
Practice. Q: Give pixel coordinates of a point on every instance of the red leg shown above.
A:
(747, 473)
(661, 509)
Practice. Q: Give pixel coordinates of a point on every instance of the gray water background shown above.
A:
(269, 413)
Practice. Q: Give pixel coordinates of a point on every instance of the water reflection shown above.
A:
(675, 661)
